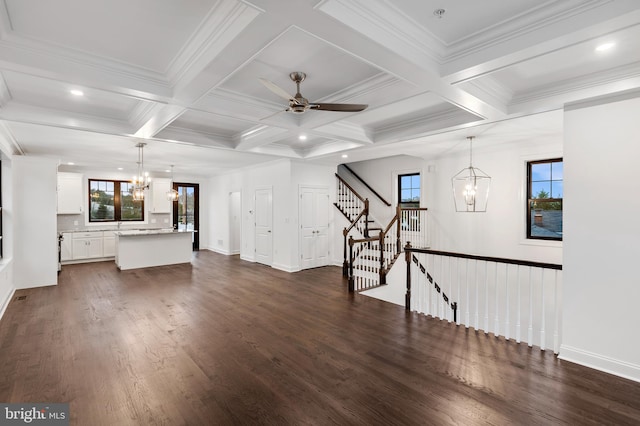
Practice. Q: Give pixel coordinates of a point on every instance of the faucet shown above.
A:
(119, 223)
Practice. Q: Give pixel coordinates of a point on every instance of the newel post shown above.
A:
(407, 258)
(345, 264)
(366, 218)
(398, 228)
(382, 272)
(351, 283)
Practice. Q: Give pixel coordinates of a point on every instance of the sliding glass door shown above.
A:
(185, 210)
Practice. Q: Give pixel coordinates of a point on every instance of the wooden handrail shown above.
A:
(393, 220)
(364, 212)
(353, 241)
(485, 258)
(350, 188)
(367, 185)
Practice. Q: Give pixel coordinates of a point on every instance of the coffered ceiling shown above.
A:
(185, 76)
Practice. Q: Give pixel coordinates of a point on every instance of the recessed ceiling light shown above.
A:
(345, 156)
(76, 92)
(120, 168)
(70, 163)
(167, 171)
(302, 137)
(604, 46)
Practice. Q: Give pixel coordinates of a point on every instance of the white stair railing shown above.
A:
(516, 299)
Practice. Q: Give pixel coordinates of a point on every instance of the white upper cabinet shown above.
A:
(70, 193)
(159, 202)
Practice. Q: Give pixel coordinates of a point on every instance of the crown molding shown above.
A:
(426, 123)
(198, 138)
(222, 24)
(346, 130)
(370, 85)
(591, 81)
(329, 147)
(5, 94)
(29, 114)
(8, 143)
(489, 90)
(537, 19)
(47, 49)
(387, 25)
(232, 100)
(276, 149)
(141, 113)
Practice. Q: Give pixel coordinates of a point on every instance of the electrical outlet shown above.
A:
(75, 223)
(153, 221)
(166, 221)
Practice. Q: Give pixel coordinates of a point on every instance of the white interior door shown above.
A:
(314, 227)
(264, 228)
(234, 222)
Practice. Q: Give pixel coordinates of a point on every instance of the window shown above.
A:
(112, 201)
(544, 199)
(409, 190)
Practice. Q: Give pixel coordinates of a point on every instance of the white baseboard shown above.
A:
(285, 268)
(217, 250)
(599, 362)
(248, 259)
(5, 301)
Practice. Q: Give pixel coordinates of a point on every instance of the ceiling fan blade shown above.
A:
(278, 90)
(338, 107)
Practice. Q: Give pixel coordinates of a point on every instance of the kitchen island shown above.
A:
(143, 248)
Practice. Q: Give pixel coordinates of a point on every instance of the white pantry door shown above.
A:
(314, 226)
(264, 227)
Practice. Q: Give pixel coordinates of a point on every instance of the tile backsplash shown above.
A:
(76, 222)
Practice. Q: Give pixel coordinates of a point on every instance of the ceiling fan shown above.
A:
(299, 104)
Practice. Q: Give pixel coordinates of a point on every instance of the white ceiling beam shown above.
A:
(20, 113)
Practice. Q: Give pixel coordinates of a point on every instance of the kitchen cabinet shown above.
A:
(159, 202)
(109, 244)
(87, 245)
(66, 246)
(70, 193)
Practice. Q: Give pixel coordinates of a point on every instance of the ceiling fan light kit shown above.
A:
(298, 104)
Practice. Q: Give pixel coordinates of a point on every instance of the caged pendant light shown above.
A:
(142, 180)
(471, 187)
(172, 194)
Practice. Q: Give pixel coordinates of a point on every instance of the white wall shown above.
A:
(34, 216)
(218, 212)
(284, 177)
(501, 230)
(602, 237)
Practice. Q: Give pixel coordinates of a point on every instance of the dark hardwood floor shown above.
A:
(227, 342)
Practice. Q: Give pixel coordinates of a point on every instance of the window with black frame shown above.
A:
(112, 201)
(409, 190)
(545, 190)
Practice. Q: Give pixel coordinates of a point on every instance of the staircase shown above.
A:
(370, 250)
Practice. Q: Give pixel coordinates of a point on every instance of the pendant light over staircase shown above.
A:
(471, 187)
